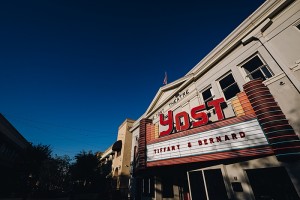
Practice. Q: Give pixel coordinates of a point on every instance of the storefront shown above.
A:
(228, 129)
(251, 155)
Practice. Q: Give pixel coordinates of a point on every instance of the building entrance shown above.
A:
(272, 184)
(207, 184)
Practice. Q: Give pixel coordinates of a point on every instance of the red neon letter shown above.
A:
(168, 122)
(217, 105)
(202, 116)
(186, 121)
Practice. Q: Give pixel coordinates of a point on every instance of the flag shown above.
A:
(165, 79)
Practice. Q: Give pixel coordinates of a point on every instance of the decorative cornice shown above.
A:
(269, 9)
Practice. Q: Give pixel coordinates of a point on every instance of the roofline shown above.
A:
(18, 134)
(270, 8)
(125, 121)
(187, 81)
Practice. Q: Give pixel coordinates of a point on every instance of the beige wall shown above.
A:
(122, 162)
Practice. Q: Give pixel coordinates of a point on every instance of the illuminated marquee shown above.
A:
(242, 135)
(201, 118)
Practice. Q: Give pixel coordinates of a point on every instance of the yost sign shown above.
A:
(182, 119)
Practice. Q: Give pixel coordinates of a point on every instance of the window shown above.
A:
(145, 186)
(118, 153)
(229, 87)
(267, 186)
(148, 186)
(207, 95)
(256, 69)
(298, 26)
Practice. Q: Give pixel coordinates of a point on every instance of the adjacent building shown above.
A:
(12, 158)
(229, 128)
(107, 156)
(119, 157)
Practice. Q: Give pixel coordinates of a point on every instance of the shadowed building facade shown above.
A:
(229, 128)
(12, 159)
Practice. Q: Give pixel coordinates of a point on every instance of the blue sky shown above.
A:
(73, 71)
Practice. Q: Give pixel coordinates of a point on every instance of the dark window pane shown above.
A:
(255, 70)
(298, 26)
(257, 75)
(146, 186)
(206, 95)
(253, 64)
(272, 183)
(266, 72)
(225, 82)
(197, 185)
(215, 184)
(231, 91)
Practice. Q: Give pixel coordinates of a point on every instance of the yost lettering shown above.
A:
(182, 119)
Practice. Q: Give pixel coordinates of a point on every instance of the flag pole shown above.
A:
(165, 79)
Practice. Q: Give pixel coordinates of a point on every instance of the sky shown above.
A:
(71, 71)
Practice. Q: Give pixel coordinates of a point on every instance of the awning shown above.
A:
(117, 146)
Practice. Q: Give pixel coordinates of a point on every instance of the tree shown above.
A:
(85, 173)
(36, 155)
(46, 175)
(54, 177)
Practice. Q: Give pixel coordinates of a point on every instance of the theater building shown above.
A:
(229, 128)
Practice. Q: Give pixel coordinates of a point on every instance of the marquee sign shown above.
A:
(259, 128)
(233, 137)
